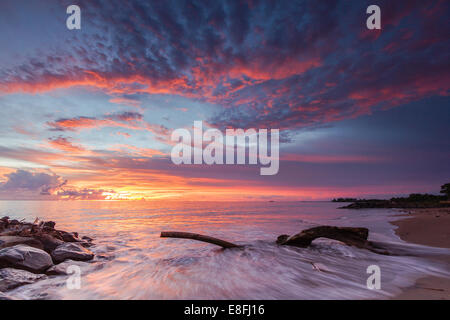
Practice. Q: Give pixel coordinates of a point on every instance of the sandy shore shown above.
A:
(429, 227)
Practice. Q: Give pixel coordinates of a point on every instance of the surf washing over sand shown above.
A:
(133, 262)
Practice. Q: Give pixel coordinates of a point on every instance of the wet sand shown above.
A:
(429, 227)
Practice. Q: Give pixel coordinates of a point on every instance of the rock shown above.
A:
(48, 242)
(12, 278)
(87, 238)
(86, 244)
(49, 224)
(26, 258)
(68, 237)
(4, 222)
(56, 234)
(9, 241)
(72, 251)
(47, 229)
(61, 269)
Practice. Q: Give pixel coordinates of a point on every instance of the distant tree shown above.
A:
(445, 189)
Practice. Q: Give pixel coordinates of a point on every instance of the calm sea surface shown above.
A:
(133, 262)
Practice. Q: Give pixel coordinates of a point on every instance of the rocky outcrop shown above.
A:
(49, 224)
(13, 278)
(73, 251)
(28, 250)
(48, 242)
(9, 241)
(41, 235)
(25, 258)
(69, 237)
(86, 238)
(395, 204)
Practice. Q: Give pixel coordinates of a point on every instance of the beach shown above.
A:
(429, 227)
(131, 260)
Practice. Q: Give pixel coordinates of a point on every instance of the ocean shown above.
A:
(133, 262)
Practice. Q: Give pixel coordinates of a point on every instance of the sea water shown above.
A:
(133, 262)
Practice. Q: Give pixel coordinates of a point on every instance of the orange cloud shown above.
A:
(64, 144)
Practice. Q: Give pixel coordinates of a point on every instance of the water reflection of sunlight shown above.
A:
(117, 195)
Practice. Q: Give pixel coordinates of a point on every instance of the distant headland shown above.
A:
(414, 200)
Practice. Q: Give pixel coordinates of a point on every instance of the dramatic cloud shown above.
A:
(44, 183)
(286, 64)
(22, 184)
(84, 194)
(64, 144)
(83, 102)
(126, 120)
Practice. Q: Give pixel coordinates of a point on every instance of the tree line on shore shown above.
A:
(414, 200)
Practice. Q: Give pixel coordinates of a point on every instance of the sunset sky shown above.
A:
(87, 114)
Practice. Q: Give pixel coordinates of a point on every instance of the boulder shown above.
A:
(4, 223)
(49, 224)
(69, 237)
(9, 241)
(56, 234)
(72, 251)
(49, 243)
(86, 238)
(26, 258)
(86, 244)
(47, 229)
(12, 278)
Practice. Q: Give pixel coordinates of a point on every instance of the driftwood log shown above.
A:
(356, 237)
(351, 236)
(199, 237)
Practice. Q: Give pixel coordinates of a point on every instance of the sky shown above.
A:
(88, 114)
